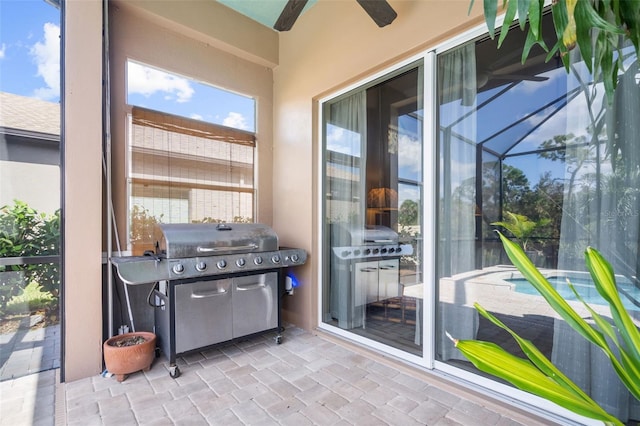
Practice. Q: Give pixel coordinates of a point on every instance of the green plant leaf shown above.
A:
(531, 273)
(492, 359)
(490, 13)
(512, 8)
(557, 302)
(629, 12)
(535, 19)
(604, 279)
(523, 10)
(538, 359)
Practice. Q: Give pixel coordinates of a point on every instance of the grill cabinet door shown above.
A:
(255, 303)
(389, 279)
(366, 283)
(203, 314)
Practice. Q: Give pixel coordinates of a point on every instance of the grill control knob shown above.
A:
(356, 252)
(383, 251)
(295, 258)
(221, 264)
(275, 258)
(398, 249)
(346, 253)
(391, 250)
(375, 251)
(201, 266)
(178, 268)
(367, 251)
(257, 260)
(240, 262)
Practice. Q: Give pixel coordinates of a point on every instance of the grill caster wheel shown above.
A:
(174, 372)
(278, 339)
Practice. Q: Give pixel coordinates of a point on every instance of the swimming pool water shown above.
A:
(585, 288)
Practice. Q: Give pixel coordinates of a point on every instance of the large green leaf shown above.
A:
(627, 371)
(629, 13)
(560, 305)
(531, 273)
(523, 10)
(512, 8)
(536, 357)
(492, 359)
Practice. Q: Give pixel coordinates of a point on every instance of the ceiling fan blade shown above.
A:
(379, 10)
(289, 14)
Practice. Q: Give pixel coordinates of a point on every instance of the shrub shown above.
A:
(24, 232)
(31, 299)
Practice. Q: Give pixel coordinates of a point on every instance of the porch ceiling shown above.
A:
(265, 12)
(282, 14)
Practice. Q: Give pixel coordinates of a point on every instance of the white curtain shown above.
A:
(457, 244)
(601, 208)
(457, 72)
(601, 205)
(345, 188)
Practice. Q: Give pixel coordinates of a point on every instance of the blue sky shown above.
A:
(30, 49)
(30, 66)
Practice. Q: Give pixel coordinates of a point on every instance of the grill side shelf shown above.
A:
(140, 269)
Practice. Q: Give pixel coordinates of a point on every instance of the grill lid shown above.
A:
(182, 240)
(363, 235)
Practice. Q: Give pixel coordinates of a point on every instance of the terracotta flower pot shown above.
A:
(123, 360)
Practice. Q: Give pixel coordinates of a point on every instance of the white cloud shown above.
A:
(196, 116)
(343, 140)
(46, 55)
(410, 153)
(3, 49)
(235, 120)
(147, 81)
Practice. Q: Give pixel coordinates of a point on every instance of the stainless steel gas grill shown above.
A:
(365, 269)
(214, 283)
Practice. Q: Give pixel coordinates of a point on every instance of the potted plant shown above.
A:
(129, 352)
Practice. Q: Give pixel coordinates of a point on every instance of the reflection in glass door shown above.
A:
(373, 208)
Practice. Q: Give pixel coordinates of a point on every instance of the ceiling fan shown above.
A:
(379, 10)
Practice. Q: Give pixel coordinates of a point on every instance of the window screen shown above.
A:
(183, 170)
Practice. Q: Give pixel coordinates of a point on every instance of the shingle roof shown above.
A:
(30, 114)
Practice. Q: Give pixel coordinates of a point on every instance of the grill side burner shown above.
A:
(214, 283)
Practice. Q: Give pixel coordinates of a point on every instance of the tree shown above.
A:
(408, 214)
(598, 28)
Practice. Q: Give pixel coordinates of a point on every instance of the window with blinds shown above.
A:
(183, 170)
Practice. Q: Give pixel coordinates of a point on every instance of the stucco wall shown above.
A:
(82, 183)
(331, 45)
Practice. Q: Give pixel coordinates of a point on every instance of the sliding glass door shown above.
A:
(373, 208)
(538, 154)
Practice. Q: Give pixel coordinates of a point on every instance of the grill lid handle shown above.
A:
(223, 227)
(217, 249)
